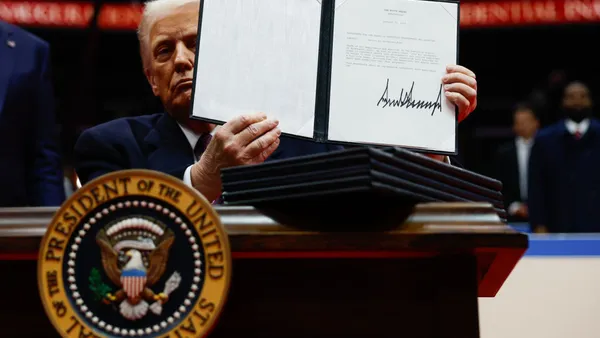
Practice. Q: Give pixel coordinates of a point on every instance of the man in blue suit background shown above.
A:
(189, 149)
(30, 168)
(564, 169)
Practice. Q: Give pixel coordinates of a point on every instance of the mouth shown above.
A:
(183, 84)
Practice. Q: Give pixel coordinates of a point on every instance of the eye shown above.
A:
(162, 50)
(161, 53)
(191, 43)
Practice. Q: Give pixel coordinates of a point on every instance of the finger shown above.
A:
(254, 131)
(461, 88)
(460, 78)
(261, 144)
(238, 123)
(267, 152)
(462, 115)
(460, 69)
(460, 101)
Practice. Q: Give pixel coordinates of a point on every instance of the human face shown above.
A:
(525, 124)
(577, 96)
(172, 55)
(577, 103)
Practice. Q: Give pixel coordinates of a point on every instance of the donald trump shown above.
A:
(172, 143)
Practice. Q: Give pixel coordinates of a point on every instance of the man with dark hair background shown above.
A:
(512, 161)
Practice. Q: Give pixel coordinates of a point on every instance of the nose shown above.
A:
(184, 57)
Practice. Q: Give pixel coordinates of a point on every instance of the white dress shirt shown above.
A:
(192, 138)
(523, 148)
(523, 151)
(580, 127)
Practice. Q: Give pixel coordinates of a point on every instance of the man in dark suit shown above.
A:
(512, 161)
(564, 167)
(30, 171)
(189, 149)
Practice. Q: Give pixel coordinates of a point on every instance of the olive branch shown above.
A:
(98, 287)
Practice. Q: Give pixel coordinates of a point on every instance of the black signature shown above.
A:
(406, 100)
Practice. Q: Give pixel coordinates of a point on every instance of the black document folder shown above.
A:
(401, 162)
(387, 180)
(381, 62)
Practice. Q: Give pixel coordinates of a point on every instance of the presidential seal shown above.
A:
(134, 253)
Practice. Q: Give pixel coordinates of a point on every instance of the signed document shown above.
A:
(386, 73)
(340, 71)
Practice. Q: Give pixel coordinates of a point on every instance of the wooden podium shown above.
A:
(419, 280)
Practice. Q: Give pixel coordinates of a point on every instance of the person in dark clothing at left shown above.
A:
(564, 169)
(30, 161)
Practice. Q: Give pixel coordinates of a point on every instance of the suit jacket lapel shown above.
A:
(168, 149)
(515, 169)
(594, 127)
(7, 55)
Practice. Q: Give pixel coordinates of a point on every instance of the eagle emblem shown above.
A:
(128, 256)
(134, 253)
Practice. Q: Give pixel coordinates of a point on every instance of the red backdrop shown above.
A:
(473, 13)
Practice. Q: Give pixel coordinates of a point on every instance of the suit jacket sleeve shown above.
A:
(500, 171)
(46, 183)
(536, 194)
(94, 158)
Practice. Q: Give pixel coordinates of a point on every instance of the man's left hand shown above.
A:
(460, 87)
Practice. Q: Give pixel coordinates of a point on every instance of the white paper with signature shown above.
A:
(399, 45)
(259, 56)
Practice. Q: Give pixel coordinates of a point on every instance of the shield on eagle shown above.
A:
(133, 276)
(135, 251)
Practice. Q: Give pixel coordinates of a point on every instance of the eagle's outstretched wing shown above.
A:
(109, 258)
(158, 259)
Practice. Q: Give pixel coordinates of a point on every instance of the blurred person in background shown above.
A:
(191, 150)
(512, 161)
(564, 169)
(30, 168)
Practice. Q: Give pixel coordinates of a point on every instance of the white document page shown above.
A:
(259, 56)
(389, 57)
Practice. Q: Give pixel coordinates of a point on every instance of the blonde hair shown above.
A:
(155, 10)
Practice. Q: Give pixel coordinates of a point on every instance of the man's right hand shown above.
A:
(247, 139)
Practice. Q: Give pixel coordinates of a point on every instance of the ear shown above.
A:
(151, 81)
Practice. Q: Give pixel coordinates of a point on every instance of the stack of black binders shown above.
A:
(355, 187)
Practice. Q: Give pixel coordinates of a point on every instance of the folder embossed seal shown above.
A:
(134, 253)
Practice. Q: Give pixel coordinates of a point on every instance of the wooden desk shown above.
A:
(419, 280)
